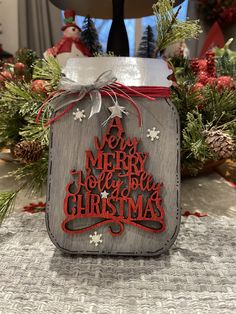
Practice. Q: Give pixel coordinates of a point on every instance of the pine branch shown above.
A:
(193, 139)
(10, 125)
(17, 103)
(226, 66)
(48, 69)
(7, 200)
(169, 29)
(186, 100)
(217, 103)
(34, 175)
(27, 57)
(35, 132)
(19, 97)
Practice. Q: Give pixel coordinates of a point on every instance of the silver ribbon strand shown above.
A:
(70, 87)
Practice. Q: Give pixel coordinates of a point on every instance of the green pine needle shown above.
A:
(7, 200)
(169, 28)
(48, 69)
(193, 138)
(35, 132)
(34, 175)
(218, 103)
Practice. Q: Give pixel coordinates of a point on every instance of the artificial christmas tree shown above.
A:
(147, 45)
(89, 36)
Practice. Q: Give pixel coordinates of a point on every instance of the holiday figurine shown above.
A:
(70, 46)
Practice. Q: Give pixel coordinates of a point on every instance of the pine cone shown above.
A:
(220, 143)
(28, 151)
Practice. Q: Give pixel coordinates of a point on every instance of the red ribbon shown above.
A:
(118, 89)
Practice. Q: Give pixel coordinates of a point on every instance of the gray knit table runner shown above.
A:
(198, 275)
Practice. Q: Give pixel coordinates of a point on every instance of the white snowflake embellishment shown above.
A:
(153, 134)
(96, 238)
(79, 115)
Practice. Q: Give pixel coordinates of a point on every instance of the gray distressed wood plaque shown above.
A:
(115, 189)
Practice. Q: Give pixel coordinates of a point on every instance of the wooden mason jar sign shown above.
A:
(114, 167)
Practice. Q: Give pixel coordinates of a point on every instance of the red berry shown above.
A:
(202, 77)
(197, 87)
(225, 82)
(19, 68)
(202, 64)
(200, 107)
(39, 86)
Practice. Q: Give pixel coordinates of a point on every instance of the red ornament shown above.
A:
(225, 82)
(5, 76)
(39, 86)
(19, 68)
(111, 197)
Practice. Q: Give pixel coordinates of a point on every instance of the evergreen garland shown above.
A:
(7, 200)
(19, 105)
(89, 36)
(169, 28)
(147, 45)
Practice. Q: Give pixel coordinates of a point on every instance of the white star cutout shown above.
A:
(153, 134)
(104, 194)
(79, 115)
(95, 238)
(116, 111)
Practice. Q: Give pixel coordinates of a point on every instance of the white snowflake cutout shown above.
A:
(95, 238)
(153, 134)
(79, 115)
